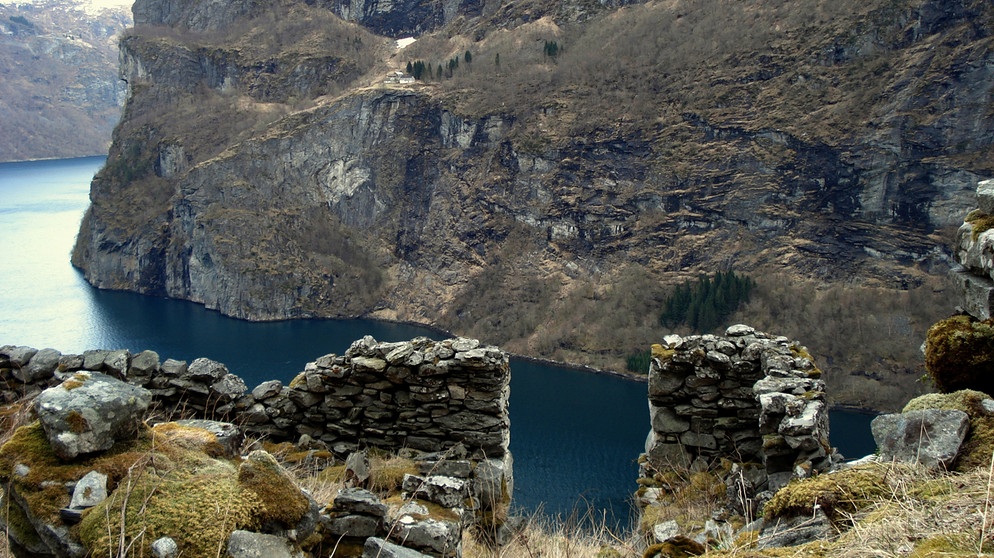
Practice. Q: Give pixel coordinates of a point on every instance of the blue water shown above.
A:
(574, 435)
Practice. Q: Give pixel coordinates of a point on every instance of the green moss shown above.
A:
(18, 525)
(951, 546)
(198, 504)
(959, 354)
(75, 381)
(981, 223)
(261, 474)
(662, 354)
(979, 443)
(839, 493)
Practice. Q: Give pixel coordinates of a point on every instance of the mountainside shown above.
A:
(540, 197)
(59, 94)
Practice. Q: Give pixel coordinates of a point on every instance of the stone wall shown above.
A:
(974, 252)
(750, 398)
(420, 394)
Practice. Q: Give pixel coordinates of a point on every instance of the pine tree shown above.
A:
(468, 57)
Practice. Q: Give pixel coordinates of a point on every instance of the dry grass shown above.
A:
(920, 514)
(549, 538)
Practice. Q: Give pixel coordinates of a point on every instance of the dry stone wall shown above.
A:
(974, 252)
(750, 398)
(420, 394)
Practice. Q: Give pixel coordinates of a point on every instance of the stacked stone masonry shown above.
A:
(420, 394)
(974, 252)
(444, 403)
(750, 398)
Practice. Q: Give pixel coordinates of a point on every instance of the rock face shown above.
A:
(89, 412)
(974, 251)
(750, 398)
(60, 95)
(405, 203)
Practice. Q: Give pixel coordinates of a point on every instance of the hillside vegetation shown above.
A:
(558, 169)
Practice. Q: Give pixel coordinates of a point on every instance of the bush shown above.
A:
(959, 354)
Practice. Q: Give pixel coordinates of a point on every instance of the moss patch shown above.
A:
(981, 223)
(947, 546)
(261, 474)
(198, 504)
(959, 354)
(844, 492)
(77, 422)
(979, 443)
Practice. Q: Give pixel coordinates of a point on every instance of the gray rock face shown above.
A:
(89, 412)
(228, 435)
(445, 491)
(246, 544)
(442, 538)
(797, 531)
(930, 437)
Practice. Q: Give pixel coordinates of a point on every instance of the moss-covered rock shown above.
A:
(165, 482)
(837, 494)
(959, 354)
(261, 474)
(979, 442)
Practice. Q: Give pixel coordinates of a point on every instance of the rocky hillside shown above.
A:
(266, 169)
(60, 95)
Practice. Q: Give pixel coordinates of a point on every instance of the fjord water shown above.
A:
(575, 435)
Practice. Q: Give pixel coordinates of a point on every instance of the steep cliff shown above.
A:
(59, 95)
(265, 169)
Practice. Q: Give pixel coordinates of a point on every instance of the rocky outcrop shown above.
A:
(930, 437)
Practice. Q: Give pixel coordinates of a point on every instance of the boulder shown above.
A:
(228, 435)
(246, 544)
(447, 492)
(376, 547)
(165, 547)
(357, 469)
(930, 437)
(797, 531)
(359, 501)
(89, 412)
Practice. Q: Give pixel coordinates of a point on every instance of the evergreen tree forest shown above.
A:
(705, 304)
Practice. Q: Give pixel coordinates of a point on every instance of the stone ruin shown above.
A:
(974, 254)
(442, 403)
(748, 398)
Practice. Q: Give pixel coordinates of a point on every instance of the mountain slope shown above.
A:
(541, 199)
(59, 95)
